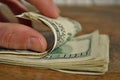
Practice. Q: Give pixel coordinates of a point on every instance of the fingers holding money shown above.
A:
(17, 36)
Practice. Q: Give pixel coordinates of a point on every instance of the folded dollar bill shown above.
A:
(85, 54)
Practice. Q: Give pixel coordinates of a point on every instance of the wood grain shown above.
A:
(105, 19)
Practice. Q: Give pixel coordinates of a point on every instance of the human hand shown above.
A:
(18, 36)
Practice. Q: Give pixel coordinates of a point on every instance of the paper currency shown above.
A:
(63, 29)
(86, 54)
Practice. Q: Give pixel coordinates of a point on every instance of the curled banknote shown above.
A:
(58, 30)
(85, 54)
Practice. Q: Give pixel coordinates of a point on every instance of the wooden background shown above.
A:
(105, 19)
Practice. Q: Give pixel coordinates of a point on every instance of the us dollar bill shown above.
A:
(56, 31)
(85, 54)
(63, 29)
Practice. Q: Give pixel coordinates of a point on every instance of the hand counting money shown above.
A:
(86, 54)
(62, 29)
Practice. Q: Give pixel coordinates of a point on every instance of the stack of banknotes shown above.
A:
(84, 54)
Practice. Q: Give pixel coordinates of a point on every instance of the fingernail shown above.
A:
(34, 44)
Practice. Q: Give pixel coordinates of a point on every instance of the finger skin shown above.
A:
(17, 36)
(46, 7)
(15, 5)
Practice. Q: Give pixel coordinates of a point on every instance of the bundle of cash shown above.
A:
(85, 54)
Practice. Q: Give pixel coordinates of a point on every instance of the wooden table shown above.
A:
(105, 19)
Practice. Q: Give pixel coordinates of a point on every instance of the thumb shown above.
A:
(17, 36)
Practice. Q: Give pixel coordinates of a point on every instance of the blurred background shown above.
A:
(87, 2)
(63, 5)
